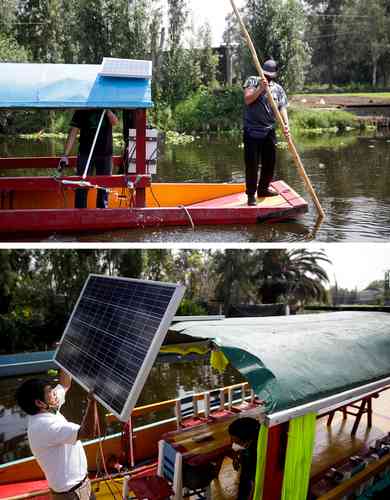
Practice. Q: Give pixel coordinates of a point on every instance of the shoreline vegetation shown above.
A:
(206, 112)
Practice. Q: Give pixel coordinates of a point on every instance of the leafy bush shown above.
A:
(310, 119)
(210, 110)
(190, 308)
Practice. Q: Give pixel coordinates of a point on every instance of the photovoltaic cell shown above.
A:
(114, 335)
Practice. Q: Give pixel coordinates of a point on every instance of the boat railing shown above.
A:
(234, 394)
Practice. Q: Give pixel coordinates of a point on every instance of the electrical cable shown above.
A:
(188, 215)
(108, 476)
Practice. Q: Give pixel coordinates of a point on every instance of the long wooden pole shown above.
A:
(291, 146)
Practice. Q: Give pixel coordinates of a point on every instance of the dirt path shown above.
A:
(337, 101)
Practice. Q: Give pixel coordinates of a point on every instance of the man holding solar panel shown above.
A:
(54, 441)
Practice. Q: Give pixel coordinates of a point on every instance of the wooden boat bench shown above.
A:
(356, 409)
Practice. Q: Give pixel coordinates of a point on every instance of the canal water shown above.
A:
(165, 381)
(348, 172)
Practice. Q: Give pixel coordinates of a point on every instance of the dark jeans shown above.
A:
(103, 166)
(245, 488)
(82, 491)
(256, 150)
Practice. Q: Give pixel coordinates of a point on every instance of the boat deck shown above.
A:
(286, 197)
(333, 444)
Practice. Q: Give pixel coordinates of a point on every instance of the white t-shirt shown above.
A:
(53, 441)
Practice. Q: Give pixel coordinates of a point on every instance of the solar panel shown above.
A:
(114, 335)
(126, 68)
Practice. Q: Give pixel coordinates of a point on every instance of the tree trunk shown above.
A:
(374, 71)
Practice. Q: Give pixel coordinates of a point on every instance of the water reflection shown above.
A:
(348, 173)
(166, 381)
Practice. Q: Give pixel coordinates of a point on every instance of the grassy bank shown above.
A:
(366, 95)
(319, 121)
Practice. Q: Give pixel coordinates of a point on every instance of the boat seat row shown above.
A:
(166, 483)
(197, 409)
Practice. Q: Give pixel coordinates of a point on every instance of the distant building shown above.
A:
(370, 296)
(256, 310)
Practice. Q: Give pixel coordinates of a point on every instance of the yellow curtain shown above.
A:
(301, 435)
(261, 461)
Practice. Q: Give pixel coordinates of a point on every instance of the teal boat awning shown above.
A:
(296, 361)
(69, 86)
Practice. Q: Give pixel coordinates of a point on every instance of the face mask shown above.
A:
(52, 408)
(237, 447)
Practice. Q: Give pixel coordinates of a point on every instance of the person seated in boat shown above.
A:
(243, 434)
(53, 440)
(259, 130)
(85, 122)
(128, 118)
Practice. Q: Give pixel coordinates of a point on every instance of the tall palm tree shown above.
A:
(234, 281)
(294, 276)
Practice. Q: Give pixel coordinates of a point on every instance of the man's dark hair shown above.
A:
(28, 392)
(245, 428)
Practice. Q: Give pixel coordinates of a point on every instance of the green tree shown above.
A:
(208, 61)
(40, 28)
(139, 26)
(8, 9)
(293, 276)
(92, 34)
(8, 280)
(157, 39)
(127, 263)
(374, 52)
(11, 51)
(158, 264)
(277, 27)
(174, 83)
(234, 282)
(323, 34)
(71, 38)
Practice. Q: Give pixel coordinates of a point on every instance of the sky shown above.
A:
(356, 265)
(215, 12)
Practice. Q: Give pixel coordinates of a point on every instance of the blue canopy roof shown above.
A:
(69, 86)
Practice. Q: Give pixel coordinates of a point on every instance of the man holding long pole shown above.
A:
(291, 145)
(259, 130)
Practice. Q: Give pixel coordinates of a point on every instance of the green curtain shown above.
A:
(301, 435)
(261, 461)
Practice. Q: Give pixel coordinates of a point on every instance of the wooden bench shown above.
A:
(357, 410)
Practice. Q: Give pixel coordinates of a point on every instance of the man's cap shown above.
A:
(270, 68)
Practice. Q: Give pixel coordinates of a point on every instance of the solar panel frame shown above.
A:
(152, 352)
(114, 67)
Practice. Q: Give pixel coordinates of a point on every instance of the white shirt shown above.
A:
(53, 441)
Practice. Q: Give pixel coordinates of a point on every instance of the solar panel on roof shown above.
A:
(114, 335)
(126, 68)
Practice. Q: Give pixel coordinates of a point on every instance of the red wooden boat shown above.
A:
(45, 204)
